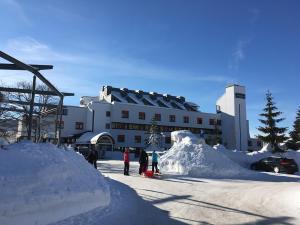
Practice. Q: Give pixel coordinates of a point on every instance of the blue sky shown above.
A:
(189, 48)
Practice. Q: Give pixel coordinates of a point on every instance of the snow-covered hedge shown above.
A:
(40, 184)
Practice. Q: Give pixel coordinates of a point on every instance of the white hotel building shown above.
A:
(119, 118)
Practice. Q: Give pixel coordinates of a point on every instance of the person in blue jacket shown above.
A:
(154, 162)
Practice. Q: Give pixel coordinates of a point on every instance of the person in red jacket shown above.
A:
(126, 162)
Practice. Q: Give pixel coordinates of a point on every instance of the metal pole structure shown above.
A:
(61, 103)
(56, 122)
(39, 128)
(32, 70)
(31, 107)
(93, 124)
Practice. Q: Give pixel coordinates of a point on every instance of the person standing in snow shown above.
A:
(154, 162)
(126, 162)
(143, 162)
(92, 157)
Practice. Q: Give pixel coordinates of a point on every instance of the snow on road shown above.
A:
(264, 199)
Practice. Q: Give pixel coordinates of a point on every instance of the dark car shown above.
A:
(276, 164)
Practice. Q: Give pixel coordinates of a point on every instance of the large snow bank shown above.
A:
(190, 155)
(41, 184)
(245, 159)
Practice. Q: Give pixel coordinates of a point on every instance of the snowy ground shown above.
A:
(200, 185)
(42, 184)
(264, 199)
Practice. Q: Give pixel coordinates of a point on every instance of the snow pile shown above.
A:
(178, 136)
(41, 184)
(266, 148)
(191, 156)
(245, 159)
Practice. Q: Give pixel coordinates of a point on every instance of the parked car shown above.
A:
(276, 164)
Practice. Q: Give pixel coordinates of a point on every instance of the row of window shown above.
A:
(78, 125)
(146, 127)
(172, 118)
(138, 139)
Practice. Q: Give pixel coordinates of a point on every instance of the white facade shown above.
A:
(232, 108)
(127, 114)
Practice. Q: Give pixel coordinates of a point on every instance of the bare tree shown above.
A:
(8, 125)
(41, 111)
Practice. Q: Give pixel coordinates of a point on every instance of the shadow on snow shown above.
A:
(127, 208)
(187, 199)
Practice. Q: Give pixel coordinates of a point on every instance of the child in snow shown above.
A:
(154, 162)
(143, 162)
(126, 162)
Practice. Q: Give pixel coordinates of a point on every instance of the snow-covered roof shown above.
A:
(91, 137)
(150, 100)
(95, 138)
(125, 95)
(135, 98)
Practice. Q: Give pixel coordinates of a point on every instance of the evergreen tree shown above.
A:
(294, 143)
(273, 134)
(154, 138)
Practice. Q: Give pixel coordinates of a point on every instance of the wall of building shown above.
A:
(232, 108)
(74, 114)
(100, 118)
(150, 111)
(231, 111)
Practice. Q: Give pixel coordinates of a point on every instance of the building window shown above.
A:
(125, 114)
(142, 115)
(199, 120)
(121, 138)
(157, 117)
(219, 122)
(240, 95)
(107, 113)
(168, 140)
(61, 125)
(172, 118)
(146, 127)
(78, 125)
(65, 111)
(107, 126)
(137, 139)
(211, 122)
(186, 119)
(249, 143)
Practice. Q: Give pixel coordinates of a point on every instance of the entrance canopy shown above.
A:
(96, 138)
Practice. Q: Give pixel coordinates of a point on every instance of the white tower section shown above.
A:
(232, 107)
